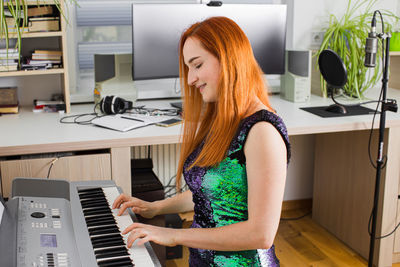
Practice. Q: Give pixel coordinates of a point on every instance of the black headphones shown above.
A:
(114, 105)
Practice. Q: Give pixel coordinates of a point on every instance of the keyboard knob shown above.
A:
(38, 215)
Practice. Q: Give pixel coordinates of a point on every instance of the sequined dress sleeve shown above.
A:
(220, 196)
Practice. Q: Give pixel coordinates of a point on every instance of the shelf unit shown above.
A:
(62, 46)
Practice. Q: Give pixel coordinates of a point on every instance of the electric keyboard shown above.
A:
(64, 224)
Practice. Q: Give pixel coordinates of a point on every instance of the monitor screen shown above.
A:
(157, 29)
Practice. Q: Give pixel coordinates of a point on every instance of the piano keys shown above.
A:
(66, 224)
(105, 226)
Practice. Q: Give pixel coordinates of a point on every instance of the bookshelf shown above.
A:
(37, 34)
(60, 37)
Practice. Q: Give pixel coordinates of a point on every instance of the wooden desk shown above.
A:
(343, 178)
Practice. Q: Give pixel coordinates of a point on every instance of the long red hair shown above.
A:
(240, 82)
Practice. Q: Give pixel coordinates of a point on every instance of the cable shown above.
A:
(380, 237)
(371, 131)
(51, 166)
(354, 105)
(296, 218)
(78, 116)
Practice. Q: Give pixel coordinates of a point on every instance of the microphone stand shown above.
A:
(389, 105)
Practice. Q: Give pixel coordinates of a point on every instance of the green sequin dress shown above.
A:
(220, 196)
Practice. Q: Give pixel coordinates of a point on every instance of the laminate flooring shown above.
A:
(303, 243)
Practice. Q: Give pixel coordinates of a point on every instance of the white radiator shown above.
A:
(165, 159)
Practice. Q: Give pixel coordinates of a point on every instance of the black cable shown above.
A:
(51, 166)
(48, 174)
(354, 105)
(380, 237)
(78, 116)
(296, 218)
(372, 129)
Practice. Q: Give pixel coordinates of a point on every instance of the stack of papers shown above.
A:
(126, 122)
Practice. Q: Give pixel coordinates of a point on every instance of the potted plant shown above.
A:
(14, 18)
(346, 36)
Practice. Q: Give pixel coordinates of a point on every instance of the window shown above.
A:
(102, 26)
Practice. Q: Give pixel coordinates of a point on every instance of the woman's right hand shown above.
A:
(143, 208)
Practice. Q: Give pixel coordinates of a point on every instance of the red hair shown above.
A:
(240, 82)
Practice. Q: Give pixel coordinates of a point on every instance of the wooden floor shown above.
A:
(303, 243)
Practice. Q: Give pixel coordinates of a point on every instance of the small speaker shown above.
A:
(296, 82)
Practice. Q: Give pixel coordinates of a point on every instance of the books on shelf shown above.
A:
(9, 50)
(9, 109)
(44, 24)
(48, 106)
(40, 11)
(8, 96)
(8, 59)
(36, 56)
(48, 52)
(10, 53)
(13, 67)
(8, 100)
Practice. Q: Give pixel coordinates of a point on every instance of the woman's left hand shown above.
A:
(160, 235)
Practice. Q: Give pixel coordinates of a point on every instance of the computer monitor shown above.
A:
(157, 29)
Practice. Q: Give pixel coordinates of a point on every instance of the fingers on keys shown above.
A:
(119, 200)
(135, 232)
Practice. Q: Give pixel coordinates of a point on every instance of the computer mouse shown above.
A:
(336, 109)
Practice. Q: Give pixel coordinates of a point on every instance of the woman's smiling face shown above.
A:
(204, 69)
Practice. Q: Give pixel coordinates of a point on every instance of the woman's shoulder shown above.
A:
(264, 123)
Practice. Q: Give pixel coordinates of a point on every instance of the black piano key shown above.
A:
(97, 220)
(101, 223)
(98, 217)
(91, 196)
(89, 200)
(106, 237)
(104, 230)
(107, 250)
(93, 189)
(112, 254)
(97, 211)
(111, 243)
(94, 203)
(115, 262)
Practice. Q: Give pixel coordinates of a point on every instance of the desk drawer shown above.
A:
(72, 168)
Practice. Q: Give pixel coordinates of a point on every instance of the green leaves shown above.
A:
(346, 36)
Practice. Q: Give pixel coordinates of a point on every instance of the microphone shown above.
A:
(371, 46)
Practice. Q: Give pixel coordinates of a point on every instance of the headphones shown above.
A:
(114, 105)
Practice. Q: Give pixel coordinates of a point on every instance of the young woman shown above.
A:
(234, 155)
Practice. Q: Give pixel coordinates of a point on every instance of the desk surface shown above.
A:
(29, 133)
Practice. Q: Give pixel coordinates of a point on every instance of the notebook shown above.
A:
(126, 122)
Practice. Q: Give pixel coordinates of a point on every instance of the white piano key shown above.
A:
(139, 254)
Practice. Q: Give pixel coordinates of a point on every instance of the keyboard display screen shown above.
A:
(48, 241)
